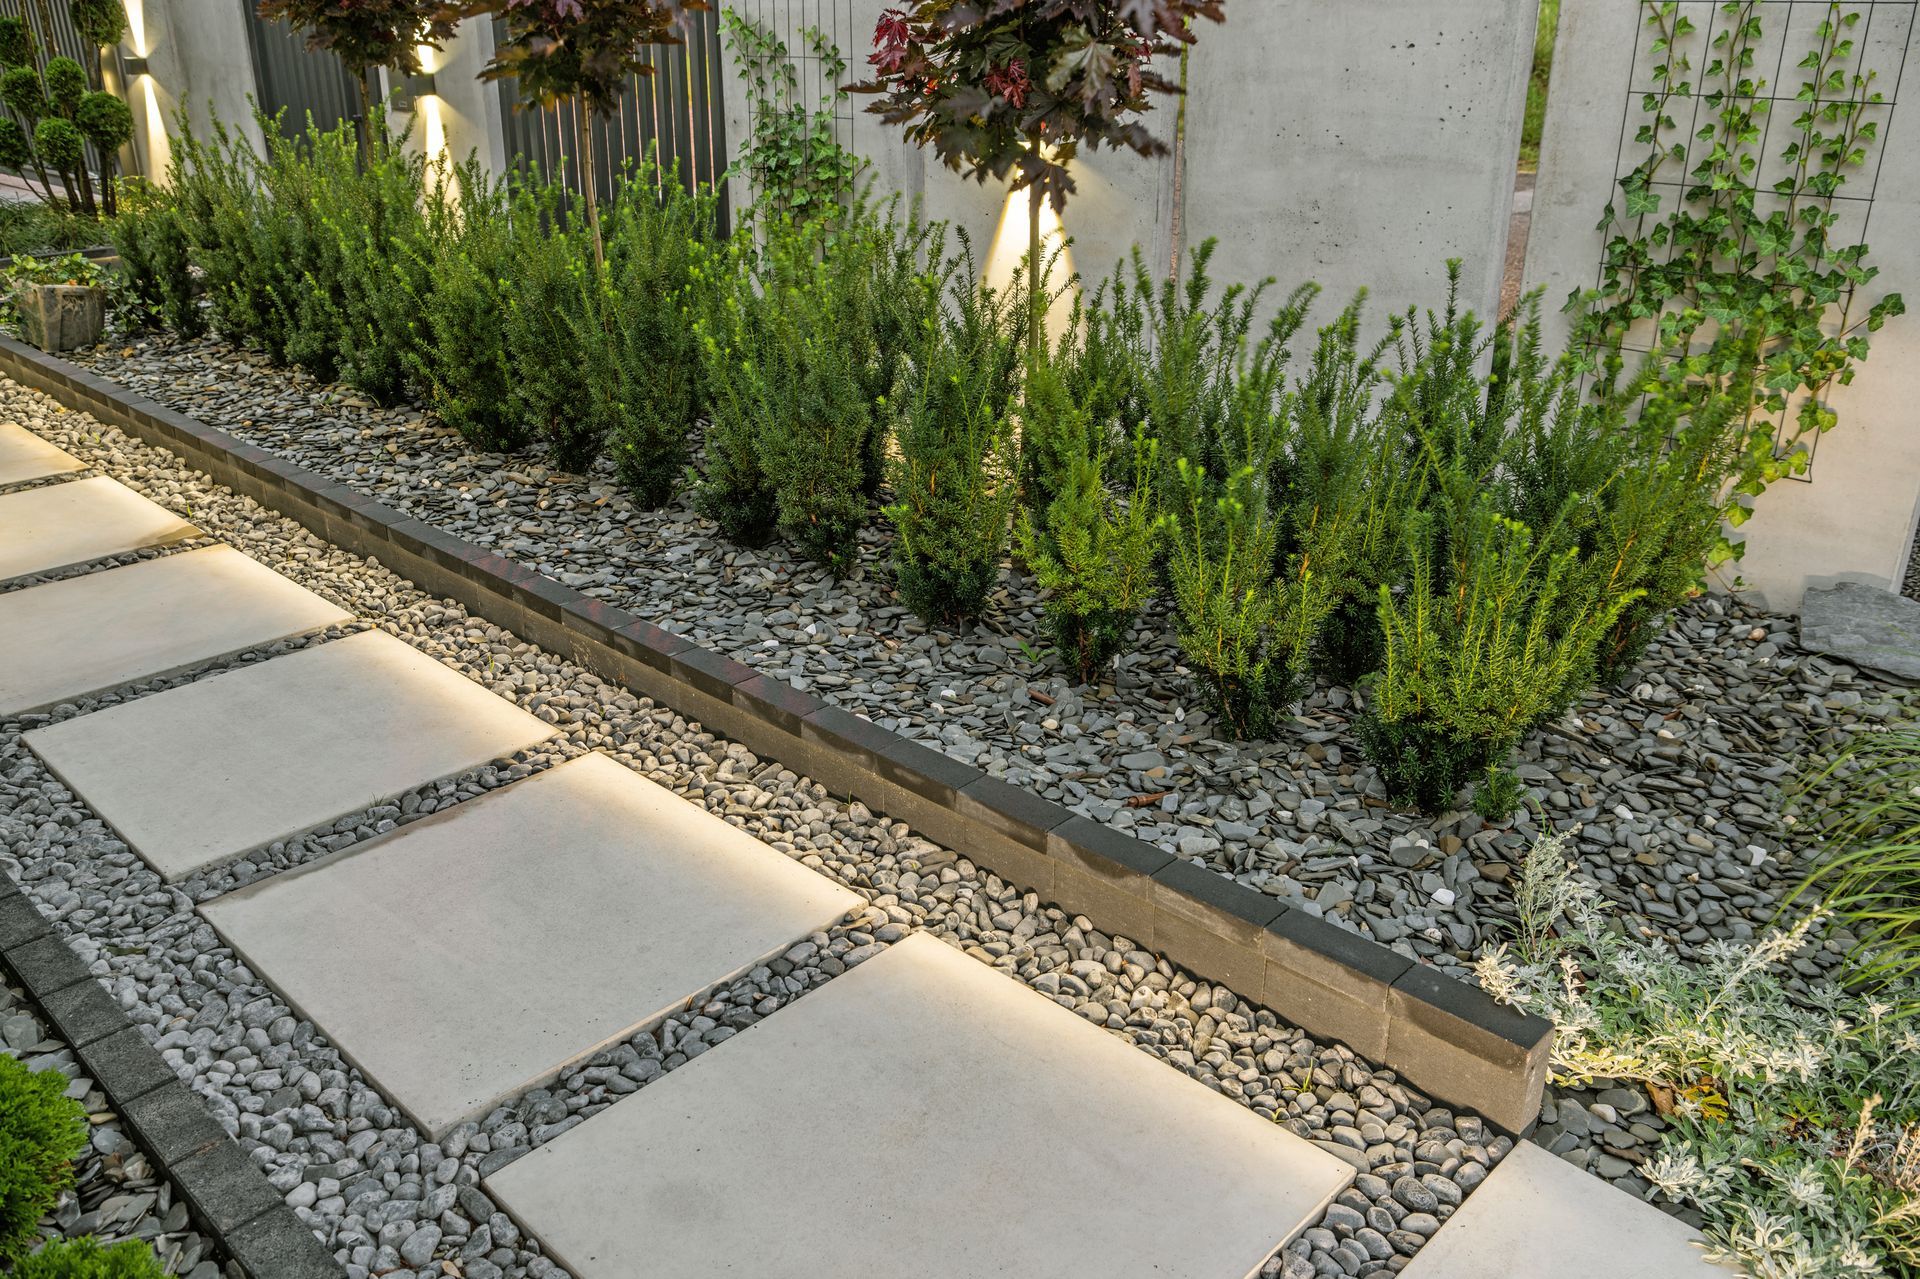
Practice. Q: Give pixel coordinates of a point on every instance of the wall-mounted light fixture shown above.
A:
(409, 90)
(133, 67)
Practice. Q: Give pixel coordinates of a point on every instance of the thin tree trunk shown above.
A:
(364, 125)
(1036, 285)
(86, 184)
(583, 119)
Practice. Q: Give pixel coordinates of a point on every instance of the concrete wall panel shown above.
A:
(1853, 518)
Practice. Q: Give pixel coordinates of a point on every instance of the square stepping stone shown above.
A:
(498, 943)
(1537, 1215)
(81, 635)
(206, 772)
(936, 1119)
(60, 525)
(25, 456)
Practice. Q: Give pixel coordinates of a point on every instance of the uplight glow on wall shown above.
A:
(1010, 247)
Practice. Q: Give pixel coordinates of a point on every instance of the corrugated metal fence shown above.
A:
(297, 83)
(679, 108)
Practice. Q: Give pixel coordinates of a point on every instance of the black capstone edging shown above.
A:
(228, 1195)
(1445, 1037)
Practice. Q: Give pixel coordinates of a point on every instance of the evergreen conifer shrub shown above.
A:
(1091, 549)
(42, 1131)
(953, 481)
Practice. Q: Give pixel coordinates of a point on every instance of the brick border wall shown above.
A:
(227, 1193)
(1447, 1038)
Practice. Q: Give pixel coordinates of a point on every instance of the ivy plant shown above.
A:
(1733, 264)
(791, 154)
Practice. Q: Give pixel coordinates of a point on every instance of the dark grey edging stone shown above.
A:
(1445, 1037)
(228, 1195)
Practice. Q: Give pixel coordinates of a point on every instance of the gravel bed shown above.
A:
(1671, 780)
(117, 1193)
(389, 1201)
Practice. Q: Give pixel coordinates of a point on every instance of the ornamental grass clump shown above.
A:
(1793, 1113)
(953, 470)
(42, 1131)
(1862, 811)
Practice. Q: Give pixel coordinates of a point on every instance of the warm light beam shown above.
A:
(1010, 249)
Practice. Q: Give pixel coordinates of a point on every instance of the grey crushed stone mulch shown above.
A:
(1672, 780)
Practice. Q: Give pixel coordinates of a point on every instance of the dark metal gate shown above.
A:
(294, 82)
(680, 109)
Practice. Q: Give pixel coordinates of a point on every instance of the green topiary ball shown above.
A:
(84, 1258)
(16, 42)
(59, 144)
(99, 22)
(66, 84)
(106, 121)
(15, 151)
(20, 89)
(42, 1131)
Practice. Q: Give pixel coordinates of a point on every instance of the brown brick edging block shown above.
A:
(228, 1194)
(1444, 1037)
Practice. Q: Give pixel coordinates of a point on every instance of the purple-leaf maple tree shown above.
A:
(1017, 87)
(365, 34)
(575, 50)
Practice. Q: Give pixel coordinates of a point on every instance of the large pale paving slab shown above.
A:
(1539, 1215)
(25, 456)
(83, 635)
(921, 1115)
(203, 773)
(58, 526)
(495, 944)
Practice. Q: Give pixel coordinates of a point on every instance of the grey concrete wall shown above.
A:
(197, 58)
(1359, 144)
(1854, 517)
(1354, 144)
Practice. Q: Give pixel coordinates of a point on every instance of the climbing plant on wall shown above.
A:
(1734, 259)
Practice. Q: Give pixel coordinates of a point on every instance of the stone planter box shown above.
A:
(61, 317)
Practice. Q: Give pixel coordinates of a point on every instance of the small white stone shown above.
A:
(1443, 896)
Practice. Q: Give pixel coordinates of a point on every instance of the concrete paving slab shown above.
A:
(933, 1118)
(203, 773)
(60, 525)
(1539, 1215)
(82, 635)
(497, 943)
(25, 456)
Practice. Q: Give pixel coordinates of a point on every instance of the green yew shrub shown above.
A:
(87, 1258)
(545, 294)
(458, 354)
(643, 362)
(788, 442)
(42, 1131)
(1495, 635)
(733, 488)
(375, 221)
(953, 479)
(1090, 549)
(154, 260)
